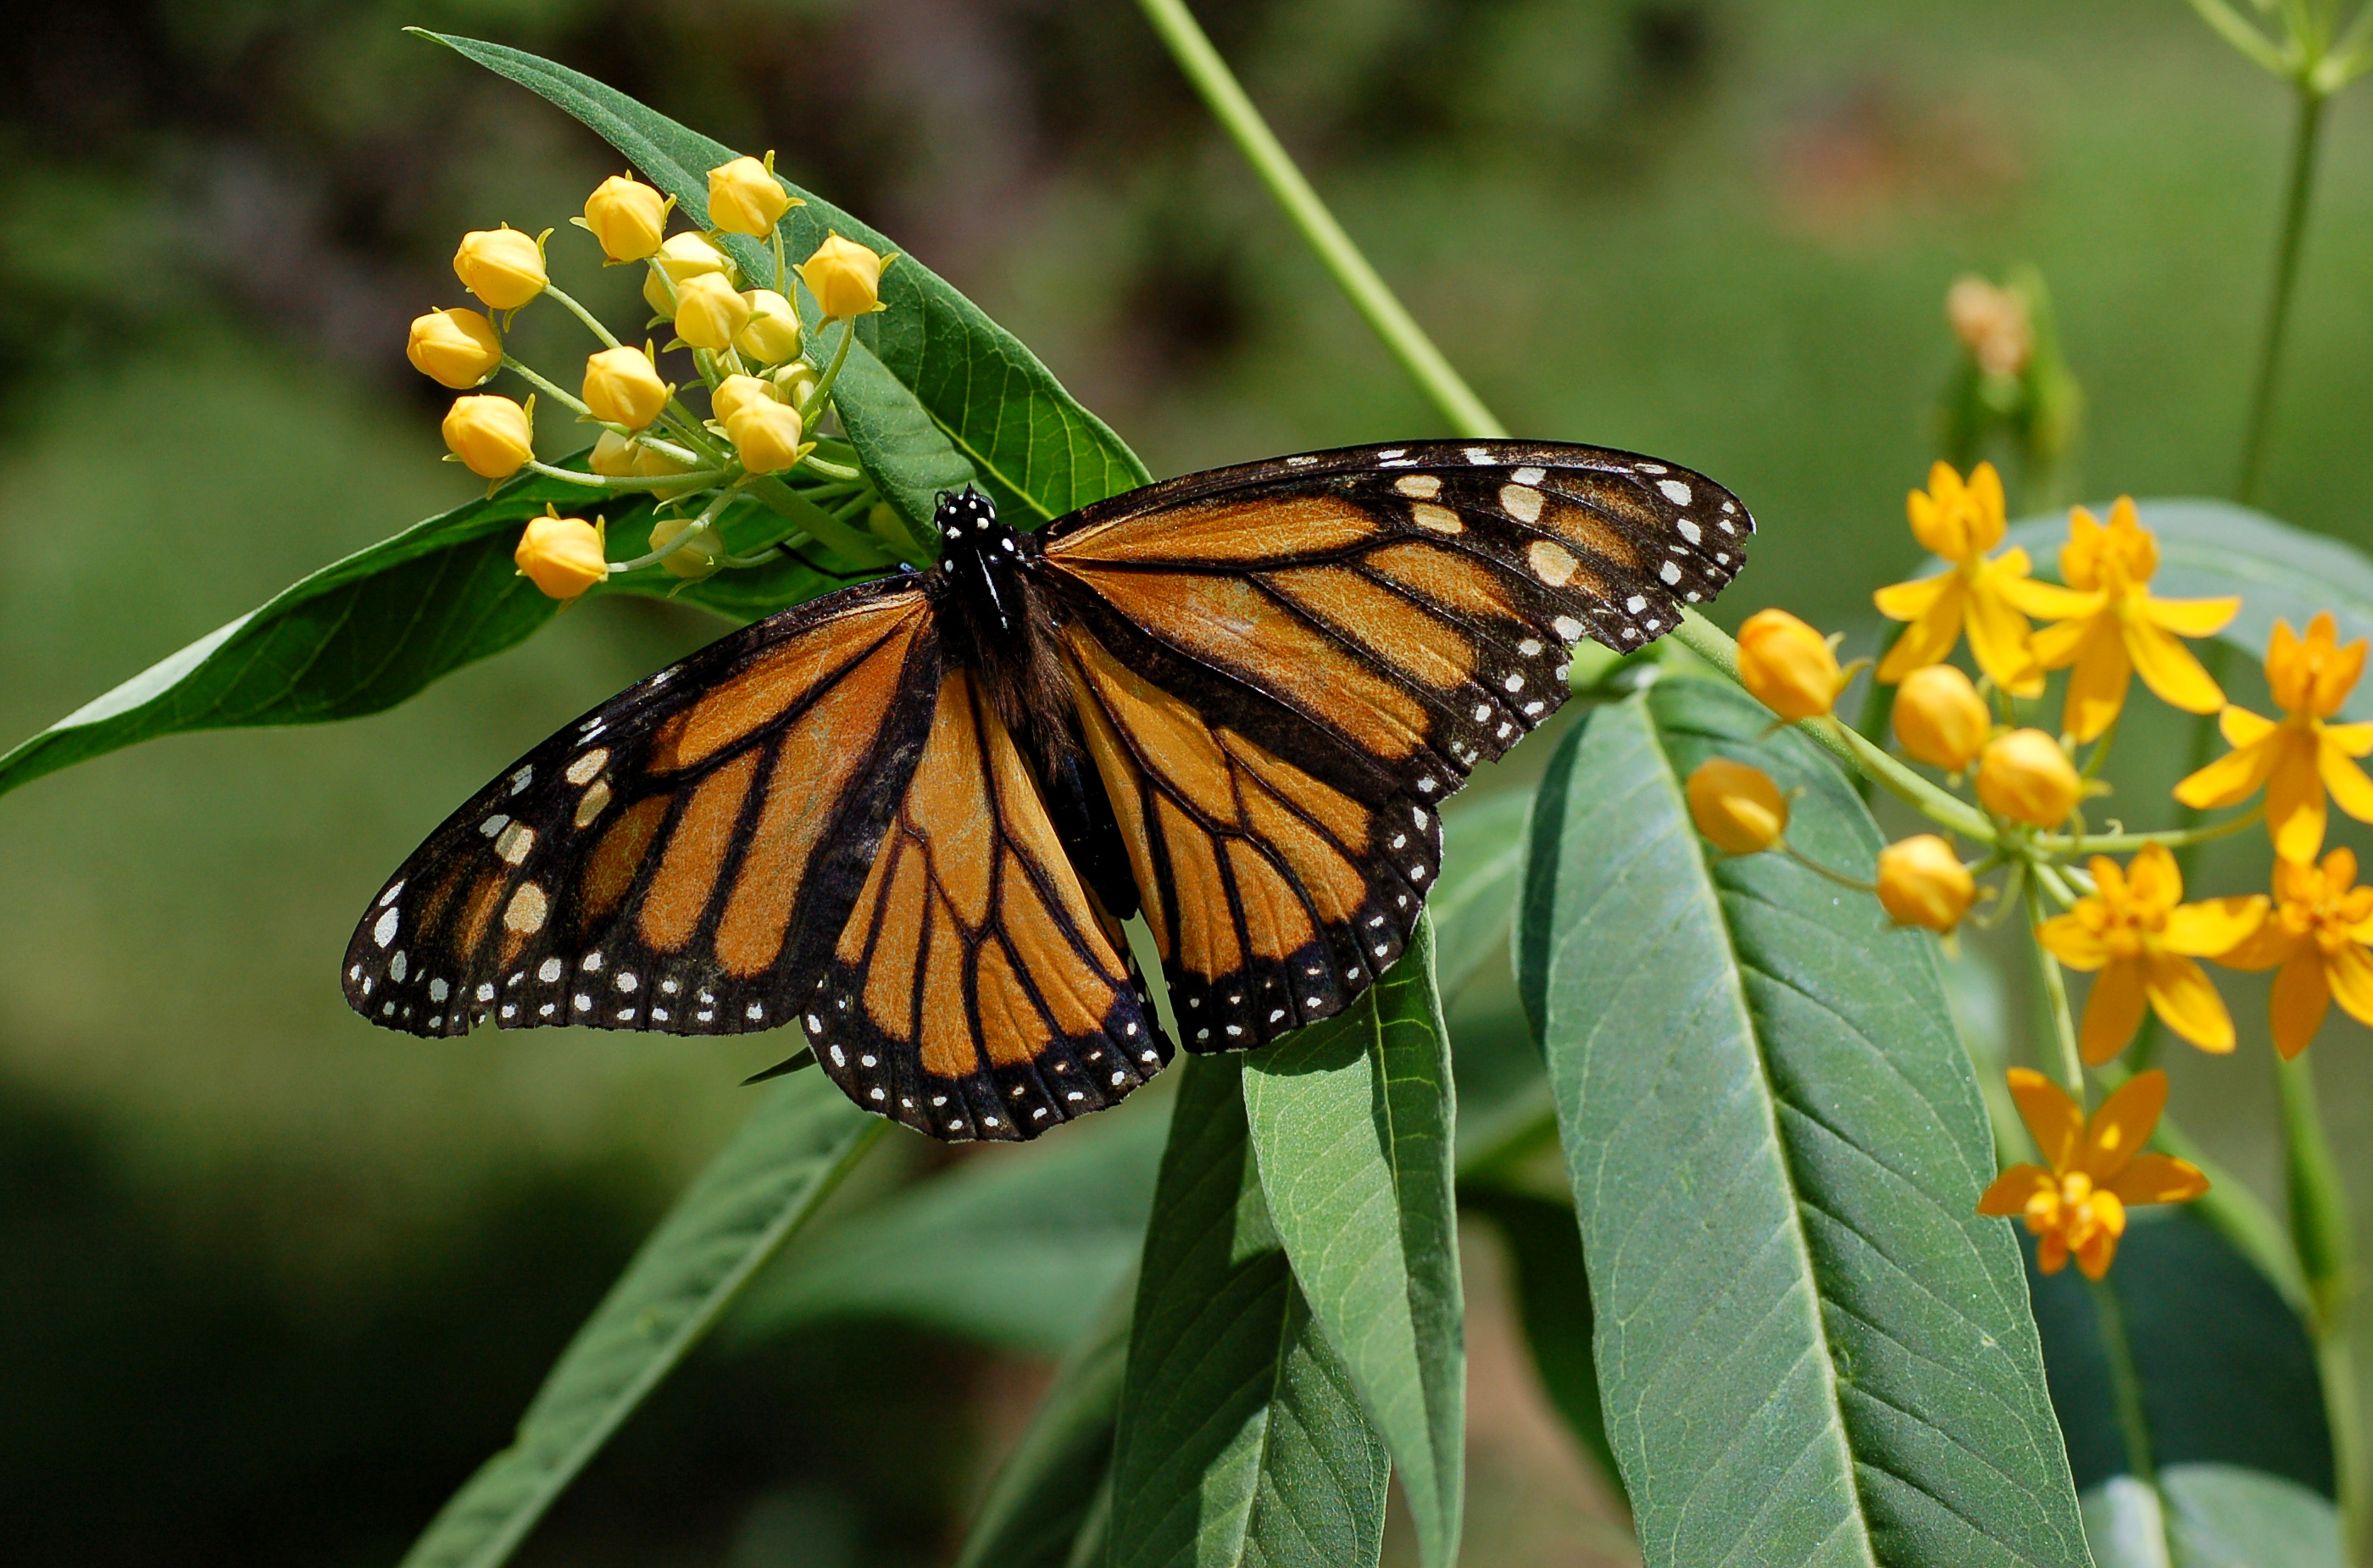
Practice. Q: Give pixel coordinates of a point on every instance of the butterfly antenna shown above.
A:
(804, 1058)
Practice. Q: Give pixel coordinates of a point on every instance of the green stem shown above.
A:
(815, 405)
(546, 387)
(1386, 316)
(2301, 186)
(2055, 992)
(2125, 1386)
(627, 482)
(593, 322)
(2173, 839)
(2320, 1232)
(849, 542)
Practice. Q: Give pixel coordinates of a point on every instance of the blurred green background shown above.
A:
(276, 1280)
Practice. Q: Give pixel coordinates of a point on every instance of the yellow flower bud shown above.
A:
(492, 436)
(622, 387)
(2026, 776)
(628, 216)
(766, 434)
(689, 255)
(845, 277)
(1940, 719)
(652, 464)
(1787, 665)
(696, 556)
(772, 335)
(456, 348)
(562, 555)
(733, 392)
(612, 456)
(709, 312)
(1737, 806)
(745, 197)
(1923, 883)
(501, 266)
(794, 382)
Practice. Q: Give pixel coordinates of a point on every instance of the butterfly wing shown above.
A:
(1282, 670)
(683, 858)
(977, 990)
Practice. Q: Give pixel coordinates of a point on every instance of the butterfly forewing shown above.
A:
(674, 858)
(977, 991)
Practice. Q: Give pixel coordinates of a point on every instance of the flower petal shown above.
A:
(2051, 1254)
(2170, 671)
(2186, 1001)
(2159, 1178)
(2241, 726)
(1998, 638)
(1909, 601)
(2351, 790)
(2213, 927)
(2010, 1191)
(2097, 687)
(2302, 995)
(2271, 944)
(2154, 876)
(1926, 640)
(2073, 942)
(2122, 1125)
(2112, 1013)
(2231, 779)
(2349, 973)
(2100, 1250)
(2295, 809)
(2049, 601)
(2057, 1121)
(2356, 740)
(2190, 617)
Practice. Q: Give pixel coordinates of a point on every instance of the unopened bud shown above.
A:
(1992, 325)
(1923, 883)
(708, 311)
(612, 456)
(845, 277)
(456, 348)
(794, 382)
(562, 555)
(493, 436)
(1788, 666)
(622, 387)
(652, 464)
(1940, 719)
(696, 556)
(772, 334)
(766, 434)
(745, 197)
(689, 255)
(501, 266)
(2026, 776)
(732, 392)
(1737, 806)
(628, 216)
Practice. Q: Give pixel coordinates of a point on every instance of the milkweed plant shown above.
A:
(1792, 1248)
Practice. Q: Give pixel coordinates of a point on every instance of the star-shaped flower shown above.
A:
(1989, 599)
(2317, 933)
(2140, 937)
(2300, 757)
(2122, 630)
(2098, 1170)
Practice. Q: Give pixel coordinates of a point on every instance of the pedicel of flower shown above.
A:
(2140, 942)
(2297, 759)
(2098, 1168)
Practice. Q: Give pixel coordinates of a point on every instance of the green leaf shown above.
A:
(1474, 900)
(2229, 1385)
(1240, 1439)
(1050, 1496)
(362, 635)
(1554, 1297)
(1014, 1249)
(2212, 1517)
(936, 393)
(1811, 1349)
(2210, 549)
(1351, 1123)
(804, 1138)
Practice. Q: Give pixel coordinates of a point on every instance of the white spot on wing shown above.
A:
(1418, 487)
(526, 910)
(1552, 562)
(514, 842)
(384, 932)
(1669, 572)
(1521, 502)
(1674, 491)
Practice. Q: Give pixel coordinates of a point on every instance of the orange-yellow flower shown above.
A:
(1787, 666)
(1991, 598)
(2098, 1170)
(2143, 941)
(2297, 759)
(2122, 630)
(1736, 806)
(2317, 933)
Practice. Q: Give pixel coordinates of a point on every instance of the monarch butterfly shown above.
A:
(911, 814)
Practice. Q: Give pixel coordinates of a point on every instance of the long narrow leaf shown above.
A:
(1352, 1125)
(1240, 1439)
(1474, 899)
(804, 1138)
(1810, 1347)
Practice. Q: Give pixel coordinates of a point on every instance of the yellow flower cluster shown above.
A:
(750, 350)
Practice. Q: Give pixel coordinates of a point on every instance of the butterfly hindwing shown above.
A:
(681, 859)
(977, 990)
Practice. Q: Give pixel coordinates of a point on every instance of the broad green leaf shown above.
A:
(1352, 1124)
(1240, 1439)
(2210, 1516)
(1013, 1247)
(362, 635)
(1050, 1494)
(1554, 1297)
(936, 393)
(1474, 899)
(2230, 1391)
(1810, 1347)
(2210, 549)
(796, 1147)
